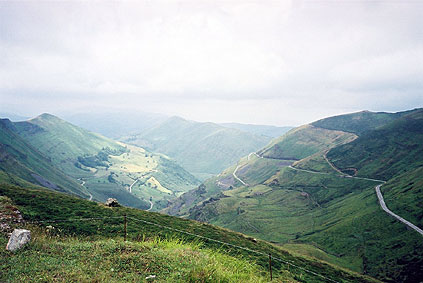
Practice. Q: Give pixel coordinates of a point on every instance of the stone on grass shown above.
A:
(112, 202)
(18, 239)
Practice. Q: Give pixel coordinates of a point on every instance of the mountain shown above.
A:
(388, 150)
(104, 167)
(20, 162)
(203, 149)
(297, 193)
(170, 248)
(264, 130)
(115, 125)
(359, 122)
(13, 117)
(305, 141)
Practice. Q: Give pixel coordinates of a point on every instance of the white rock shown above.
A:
(18, 239)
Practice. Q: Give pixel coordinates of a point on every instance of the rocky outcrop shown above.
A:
(18, 239)
(112, 202)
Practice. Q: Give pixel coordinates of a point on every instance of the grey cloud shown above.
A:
(281, 55)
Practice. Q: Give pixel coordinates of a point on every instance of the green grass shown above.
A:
(201, 148)
(107, 167)
(304, 141)
(387, 151)
(338, 219)
(339, 216)
(65, 259)
(403, 195)
(20, 160)
(36, 205)
(359, 122)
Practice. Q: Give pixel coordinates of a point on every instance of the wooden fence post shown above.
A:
(270, 267)
(125, 224)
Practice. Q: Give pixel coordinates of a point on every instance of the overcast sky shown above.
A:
(262, 62)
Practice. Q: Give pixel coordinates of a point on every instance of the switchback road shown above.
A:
(343, 175)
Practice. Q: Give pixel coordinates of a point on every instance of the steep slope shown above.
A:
(313, 208)
(202, 148)
(19, 160)
(388, 150)
(107, 168)
(257, 168)
(359, 122)
(153, 231)
(264, 130)
(305, 141)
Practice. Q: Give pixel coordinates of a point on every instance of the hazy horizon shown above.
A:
(283, 63)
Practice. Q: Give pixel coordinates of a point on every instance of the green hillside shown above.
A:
(104, 167)
(20, 161)
(96, 248)
(304, 141)
(358, 123)
(389, 150)
(203, 149)
(313, 209)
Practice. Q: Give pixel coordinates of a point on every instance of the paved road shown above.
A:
(341, 174)
(253, 153)
(130, 187)
(82, 184)
(308, 171)
(236, 177)
(386, 209)
(151, 205)
(378, 193)
(333, 166)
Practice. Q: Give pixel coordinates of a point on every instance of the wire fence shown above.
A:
(126, 218)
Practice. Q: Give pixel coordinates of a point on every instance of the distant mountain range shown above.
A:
(204, 149)
(53, 153)
(311, 190)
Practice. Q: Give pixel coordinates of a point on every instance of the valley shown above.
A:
(294, 194)
(321, 190)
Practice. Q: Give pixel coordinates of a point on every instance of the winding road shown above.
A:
(386, 209)
(82, 184)
(130, 187)
(236, 177)
(343, 175)
(151, 205)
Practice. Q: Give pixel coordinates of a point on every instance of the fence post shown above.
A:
(270, 267)
(125, 224)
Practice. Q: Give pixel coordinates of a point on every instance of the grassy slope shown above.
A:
(386, 151)
(78, 260)
(403, 195)
(305, 141)
(62, 141)
(298, 143)
(36, 205)
(359, 122)
(66, 144)
(337, 216)
(199, 147)
(19, 159)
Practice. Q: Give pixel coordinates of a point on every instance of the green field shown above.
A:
(201, 148)
(317, 211)
(75, 250)
(105, 168)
